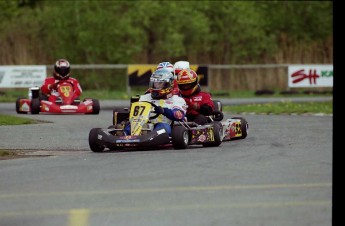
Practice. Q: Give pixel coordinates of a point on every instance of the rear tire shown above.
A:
(217, 133)
(35, 106)
(218, 105)
(180, 137)
(95, 107)
(244, 127)
(93, 137)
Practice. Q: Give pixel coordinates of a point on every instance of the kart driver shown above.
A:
(200, 104)
(171, 107)
(175, 69)
(61, 73)
(168, 66)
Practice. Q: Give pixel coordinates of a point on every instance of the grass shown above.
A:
(6, 120)
(13, 120)
(283, 108)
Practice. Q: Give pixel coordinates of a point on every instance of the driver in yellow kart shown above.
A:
(171, 107)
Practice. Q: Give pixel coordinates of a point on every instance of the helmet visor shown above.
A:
(159, 85)
(63, 71)
(186, 86)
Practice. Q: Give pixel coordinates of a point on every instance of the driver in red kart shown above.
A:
(61, 73)
(171, 107)
(200, 104)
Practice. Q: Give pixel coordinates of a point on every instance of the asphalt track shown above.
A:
(281, 174)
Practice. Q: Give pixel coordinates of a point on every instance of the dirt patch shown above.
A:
(13, 154)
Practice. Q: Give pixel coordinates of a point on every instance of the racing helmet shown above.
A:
(61, 69)
(179, 66)
(187, 81)
(161, 84)
(166, 65)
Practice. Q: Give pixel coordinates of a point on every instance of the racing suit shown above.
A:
(200, 104)
(171, 109)
(49, 88)
(175, 88)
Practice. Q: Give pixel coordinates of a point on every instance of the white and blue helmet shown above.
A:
(166, 65)
(161, 84)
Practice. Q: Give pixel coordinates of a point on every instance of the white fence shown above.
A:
(220, 77)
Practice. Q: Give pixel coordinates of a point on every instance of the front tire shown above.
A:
(180, 137)
(35, 106)
(217, 133)
(95, 107)
(218, 105)
(93, 137)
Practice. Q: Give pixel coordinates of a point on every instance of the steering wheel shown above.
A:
(154, 105)
(218, 115)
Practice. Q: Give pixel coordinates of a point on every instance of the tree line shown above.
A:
(148, 32)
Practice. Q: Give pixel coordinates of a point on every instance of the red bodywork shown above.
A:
(233, 129)
(64, 102)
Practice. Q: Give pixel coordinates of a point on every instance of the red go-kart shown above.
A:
(64, 103)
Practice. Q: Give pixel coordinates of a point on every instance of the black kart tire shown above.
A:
(93, 136)
(114, 134)
(217, 133)
(244, 127)
(180, 137)
(18, 106)
(95, 107)
(218, 105)
(35, 106)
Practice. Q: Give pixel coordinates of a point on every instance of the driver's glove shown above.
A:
(52, 86)
(159, 110)
(206, 109)
(54, 93)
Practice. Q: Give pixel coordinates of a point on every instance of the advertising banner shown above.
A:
(22, 76)
(139, 74)
(310, 76)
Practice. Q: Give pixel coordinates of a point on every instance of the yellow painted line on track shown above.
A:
(171, 189)
(80, 217)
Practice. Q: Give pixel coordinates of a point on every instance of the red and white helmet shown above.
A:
(187, 81)
(179, 66)
(61, 69)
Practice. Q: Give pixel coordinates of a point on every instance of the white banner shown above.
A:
(23, 76)
(310, 75)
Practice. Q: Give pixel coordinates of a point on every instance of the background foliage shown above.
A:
(121, 32)
(147, 32)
